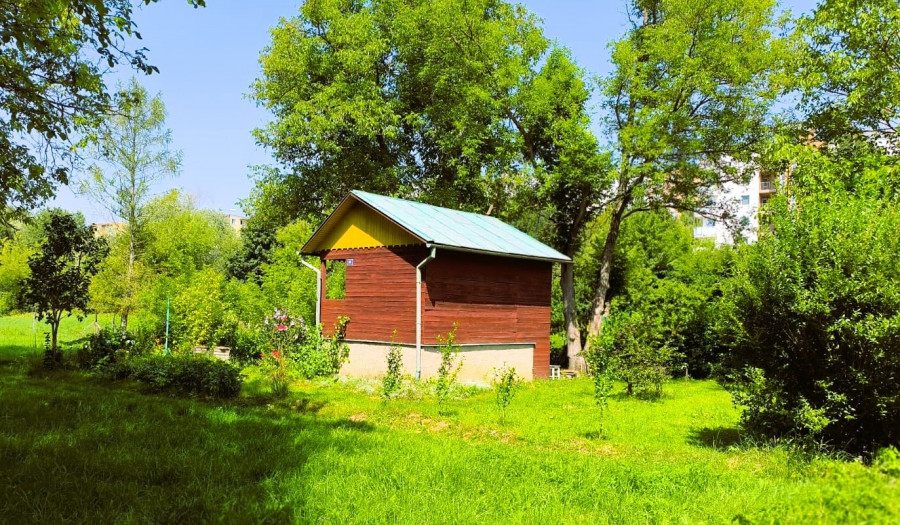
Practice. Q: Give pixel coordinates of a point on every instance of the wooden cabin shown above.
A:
(407, 272)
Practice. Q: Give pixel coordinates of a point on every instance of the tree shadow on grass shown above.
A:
(81, 450)
(718, 438)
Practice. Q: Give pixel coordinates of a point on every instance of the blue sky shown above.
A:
(208, 58)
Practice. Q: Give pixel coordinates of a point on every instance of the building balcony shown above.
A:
(766, 186)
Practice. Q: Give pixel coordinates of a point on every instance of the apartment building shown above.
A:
(746, 200)
(236, 221)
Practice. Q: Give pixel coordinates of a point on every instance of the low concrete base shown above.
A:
(369, 359)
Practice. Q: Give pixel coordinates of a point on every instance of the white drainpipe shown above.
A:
(318, 289)
(428, 259)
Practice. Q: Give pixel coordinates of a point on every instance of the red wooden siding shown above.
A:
(492, 299)
(380, 293)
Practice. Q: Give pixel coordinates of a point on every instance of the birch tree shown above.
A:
(133, 152)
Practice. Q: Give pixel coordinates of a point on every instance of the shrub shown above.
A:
(506, 383)
(393, 377)
(887, 460)
(246, 347)
(292, 349)
(448, 370)
(637, 352)
(320, 356)
(600, 365)
(812, 316)
(105, 348)
(198, 311)
(189, 374)
(279, 370)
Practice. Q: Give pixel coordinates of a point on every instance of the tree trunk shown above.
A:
(570, 313)
(54, 330)
(599, 307)
(129, 277)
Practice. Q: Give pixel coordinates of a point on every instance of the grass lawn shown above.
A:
(76, 448)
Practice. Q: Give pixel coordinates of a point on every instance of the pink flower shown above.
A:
(280, 328)
(276, 354)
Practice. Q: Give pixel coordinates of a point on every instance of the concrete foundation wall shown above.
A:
(369, 359)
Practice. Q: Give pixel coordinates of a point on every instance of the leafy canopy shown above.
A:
(62, 268)
(53, 55)
(409, 97)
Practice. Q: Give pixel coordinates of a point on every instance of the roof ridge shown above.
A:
(425, 204)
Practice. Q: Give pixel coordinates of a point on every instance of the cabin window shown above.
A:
(335, 279)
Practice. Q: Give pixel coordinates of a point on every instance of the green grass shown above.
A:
(22, 334)
(76, 448)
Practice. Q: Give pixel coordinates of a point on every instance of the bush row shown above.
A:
(115, 354)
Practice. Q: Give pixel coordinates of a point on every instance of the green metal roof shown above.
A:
(457, 230)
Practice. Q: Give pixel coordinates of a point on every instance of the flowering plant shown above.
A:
(292, 349)
(283, 334)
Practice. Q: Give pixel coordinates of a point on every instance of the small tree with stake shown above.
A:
(61, 271)
(601, 365)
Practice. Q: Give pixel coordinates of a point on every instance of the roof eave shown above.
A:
(561, 259)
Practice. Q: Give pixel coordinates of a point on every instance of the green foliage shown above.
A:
(665, 276)
(285, 282)
(62, 268)
(258, 240)
(105, 348)
(445, 381)
(279, 371)
(199, 311)
(188, 375)
(848, 75)
(133, 152)
(439, 99)
(117, 288)
(688, 106)
(292, 349)
(506, 383)
(641, 357)
(53, 94)
(601, 367)
(14, 254)
(393, 377)
(184, 239)
(812, 311)
(887, 460)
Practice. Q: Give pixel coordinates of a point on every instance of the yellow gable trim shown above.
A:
(361, 227)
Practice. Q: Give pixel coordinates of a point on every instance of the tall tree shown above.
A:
(850, 69)
(454, 102)
(406, 97)
(134, 149)
(52, 59)
(569, 173)
(687, 106)
(61, 270)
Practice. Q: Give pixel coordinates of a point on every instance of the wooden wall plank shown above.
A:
(493, 299)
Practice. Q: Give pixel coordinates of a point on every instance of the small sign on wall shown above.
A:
(349, 262)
